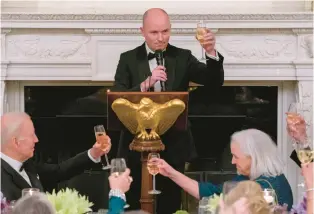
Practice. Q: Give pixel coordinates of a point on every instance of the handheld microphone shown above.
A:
(160, 61)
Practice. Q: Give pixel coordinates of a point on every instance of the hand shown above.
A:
(307, 172)
(208, 42)
(101, 147)
(158, 74)
(121, 182)
(164, 168)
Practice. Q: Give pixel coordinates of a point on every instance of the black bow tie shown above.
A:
(24, 165)
(152, 55)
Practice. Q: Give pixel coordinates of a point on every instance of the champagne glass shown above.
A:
(118, 166)
(29, 191)
(200, 32)
(99, 132)
(296, 125)
(305, 155)
(153, 169)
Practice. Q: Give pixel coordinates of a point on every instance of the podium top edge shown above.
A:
(142, 93)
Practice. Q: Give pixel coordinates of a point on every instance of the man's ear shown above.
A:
(15, 142)
(142, 31)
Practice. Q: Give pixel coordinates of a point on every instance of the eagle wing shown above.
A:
(168, 113)
(126, 112)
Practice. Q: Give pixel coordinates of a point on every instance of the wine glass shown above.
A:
(153, 169)
(305, 155)
(270, 196)
(118, 166)
(296, 124)
(200, 32)
(29, 191)
(99, 132)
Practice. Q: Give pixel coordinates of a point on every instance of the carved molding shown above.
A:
(307, 44)
(51, 47)
(5, 30)
(138, 17)
(302, 31)
(136, 31)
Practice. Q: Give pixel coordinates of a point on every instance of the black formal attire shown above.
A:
(181, 68)
(12, 183)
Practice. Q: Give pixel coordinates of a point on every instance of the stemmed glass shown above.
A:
(153, 169)
(200, 32)
(99, 132)
(118, 166)
(270, 197)
(296, 125)
(29, 191)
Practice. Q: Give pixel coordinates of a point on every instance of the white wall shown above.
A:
(138, 7)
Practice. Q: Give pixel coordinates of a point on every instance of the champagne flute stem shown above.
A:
(203, 57)
(107, 161)
(154, 184)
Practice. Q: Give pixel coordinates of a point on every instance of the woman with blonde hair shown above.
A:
(253, 202)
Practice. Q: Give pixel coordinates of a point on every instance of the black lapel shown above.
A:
(16, 177)
(31, 171)
(142, 63)
(170, 64)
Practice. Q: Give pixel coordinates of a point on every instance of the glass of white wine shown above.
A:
(305, 155)
(200, 32)
(153, 169)
(118, 166)
(99, 132)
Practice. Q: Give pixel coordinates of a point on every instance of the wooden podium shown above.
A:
(147, 201)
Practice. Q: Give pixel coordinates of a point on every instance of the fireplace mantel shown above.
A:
(262, 49)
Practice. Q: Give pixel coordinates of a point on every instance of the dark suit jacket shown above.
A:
(181, 68)
(12, 182)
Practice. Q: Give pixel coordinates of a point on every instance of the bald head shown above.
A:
(11, 124)
(18, 136)
(156, 28)
(154, 13)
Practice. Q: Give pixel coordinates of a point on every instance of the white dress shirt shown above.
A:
(153, 64)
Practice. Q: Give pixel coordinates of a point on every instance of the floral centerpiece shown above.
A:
(69, 201)
(4, 203)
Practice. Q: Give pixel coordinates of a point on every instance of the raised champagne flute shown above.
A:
(200, 32)
(99, 132)
(305, 155)
(118, 166)
(153, 169)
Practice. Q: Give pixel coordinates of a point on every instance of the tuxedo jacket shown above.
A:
(181, 68)
(12, 183)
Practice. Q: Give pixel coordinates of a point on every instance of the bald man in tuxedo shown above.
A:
(18, 171)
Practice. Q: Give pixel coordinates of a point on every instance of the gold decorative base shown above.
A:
(147, 145)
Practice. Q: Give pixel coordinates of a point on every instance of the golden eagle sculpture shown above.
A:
(147, 115)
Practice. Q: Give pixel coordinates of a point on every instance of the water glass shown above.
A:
(29, 191)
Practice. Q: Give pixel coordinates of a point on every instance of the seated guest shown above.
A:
(255, 156)
(18, 171)
(33, 204)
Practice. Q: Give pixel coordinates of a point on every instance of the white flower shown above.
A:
(69, 202)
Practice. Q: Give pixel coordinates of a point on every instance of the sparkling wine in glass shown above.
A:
(118, 166)
(305, 155)
(153, 169)
(100, 132)
(296, 124)
(201, 30)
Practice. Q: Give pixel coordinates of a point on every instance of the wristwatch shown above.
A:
(117, 193)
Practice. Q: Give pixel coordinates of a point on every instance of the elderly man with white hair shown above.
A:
(18, 171)
(255, 156)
